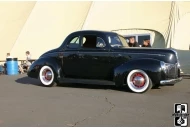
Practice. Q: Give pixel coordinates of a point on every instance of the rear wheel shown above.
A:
(47, 76)
(138, 81)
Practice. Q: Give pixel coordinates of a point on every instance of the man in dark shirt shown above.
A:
(132, 42)
(146, 43)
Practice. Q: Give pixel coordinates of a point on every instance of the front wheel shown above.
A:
(47, 76)
(138, 81)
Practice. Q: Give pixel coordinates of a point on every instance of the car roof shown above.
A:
(94, 31)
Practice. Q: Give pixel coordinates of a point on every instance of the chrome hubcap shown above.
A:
(47, 75)
(138, 80)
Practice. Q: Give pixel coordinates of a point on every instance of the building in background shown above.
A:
(41, 26)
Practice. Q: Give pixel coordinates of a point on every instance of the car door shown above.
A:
(70, 58)
(94, 58)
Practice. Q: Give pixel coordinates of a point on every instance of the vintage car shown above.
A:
(92, 56)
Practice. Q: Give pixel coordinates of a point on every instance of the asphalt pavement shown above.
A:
(23, 102)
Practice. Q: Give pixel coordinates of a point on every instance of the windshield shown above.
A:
(116, 40)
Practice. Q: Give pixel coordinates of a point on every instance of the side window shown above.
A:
(92, 41)
(128, 37)
(100, 43)
(74, 42)
(89, 41)
(143, 38)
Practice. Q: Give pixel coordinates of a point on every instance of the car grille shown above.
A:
(172, 71)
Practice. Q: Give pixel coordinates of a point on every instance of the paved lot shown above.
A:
(24, 103)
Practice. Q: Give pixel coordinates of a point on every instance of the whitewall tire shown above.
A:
(47, 76)
(138, 81)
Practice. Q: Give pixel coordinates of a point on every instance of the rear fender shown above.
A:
(48, 61)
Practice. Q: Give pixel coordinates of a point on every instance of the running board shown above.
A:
(86, 81)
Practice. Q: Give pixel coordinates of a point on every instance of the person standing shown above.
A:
(28, 58)
(132, 42)
(146, 43)
(9, 55)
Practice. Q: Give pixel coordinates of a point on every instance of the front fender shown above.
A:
(54, 63)
(150, 66)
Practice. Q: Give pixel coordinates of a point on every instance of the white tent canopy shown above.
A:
(41, 26)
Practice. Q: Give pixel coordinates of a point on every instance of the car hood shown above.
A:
(167, 55)
(146, 50)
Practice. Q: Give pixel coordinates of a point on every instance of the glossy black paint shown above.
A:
(150, 66)
(53, 62)
(112, 64)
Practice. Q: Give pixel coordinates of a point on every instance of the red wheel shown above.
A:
(138, 81)
(47, 76)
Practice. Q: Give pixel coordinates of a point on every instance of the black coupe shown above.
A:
(99, 56)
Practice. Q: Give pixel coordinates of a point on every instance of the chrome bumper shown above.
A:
(170, 81)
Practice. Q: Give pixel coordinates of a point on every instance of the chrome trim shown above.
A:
(167, 67)
(130, 53)
(170, 81)
(138, 81)
(162, 64)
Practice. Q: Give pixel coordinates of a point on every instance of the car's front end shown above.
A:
(170, 72)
